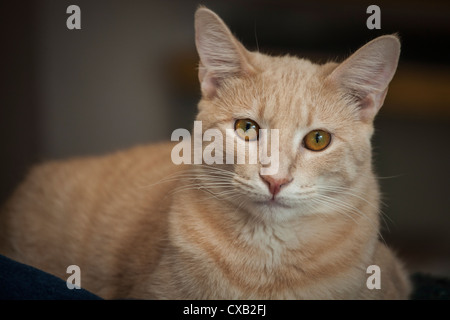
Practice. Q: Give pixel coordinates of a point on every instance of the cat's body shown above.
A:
(139, 226)
(104, 215)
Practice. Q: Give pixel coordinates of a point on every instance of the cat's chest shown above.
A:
(275, 270)
(230, 259)
(259, 263)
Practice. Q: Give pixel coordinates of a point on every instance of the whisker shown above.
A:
(194, 172)
(204, 186)
(345, 190)
(352, 209)
(334, 207)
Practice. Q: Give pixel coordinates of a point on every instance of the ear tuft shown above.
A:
(366, 74)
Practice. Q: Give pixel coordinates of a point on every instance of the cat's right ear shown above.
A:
(221, 55)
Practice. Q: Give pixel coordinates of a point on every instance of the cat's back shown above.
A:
(94, 212)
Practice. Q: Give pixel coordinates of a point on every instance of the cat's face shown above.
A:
(288, 95)
(323, 115)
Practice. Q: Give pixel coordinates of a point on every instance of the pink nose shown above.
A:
(275, 184)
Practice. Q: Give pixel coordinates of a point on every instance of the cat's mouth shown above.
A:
(282, 202)
(273, 203)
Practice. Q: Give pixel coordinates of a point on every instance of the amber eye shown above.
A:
(317, 140)
(247, 129)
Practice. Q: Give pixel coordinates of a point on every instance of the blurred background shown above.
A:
(129, 77)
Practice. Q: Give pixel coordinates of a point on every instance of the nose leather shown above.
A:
(275, 184)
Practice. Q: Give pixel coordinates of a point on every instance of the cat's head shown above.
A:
(323, 114)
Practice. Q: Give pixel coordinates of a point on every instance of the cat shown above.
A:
(139, 226)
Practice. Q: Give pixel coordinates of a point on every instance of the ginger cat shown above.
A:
(139, 226)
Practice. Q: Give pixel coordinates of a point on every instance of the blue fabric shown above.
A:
(22, 282)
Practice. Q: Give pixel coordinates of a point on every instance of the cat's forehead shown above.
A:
(286, 68)
(288, 89)
(285, 92)
(289, 77)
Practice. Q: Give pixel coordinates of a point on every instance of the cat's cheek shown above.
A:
(316, 168)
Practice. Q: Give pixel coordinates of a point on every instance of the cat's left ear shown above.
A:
(366, 74)
(221, 55)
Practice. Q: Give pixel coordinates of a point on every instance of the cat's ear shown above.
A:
(221, 55)
(366, 74)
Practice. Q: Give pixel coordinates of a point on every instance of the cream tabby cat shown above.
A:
(139, 226)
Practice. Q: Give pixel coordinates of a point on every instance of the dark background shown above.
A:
(129, 77)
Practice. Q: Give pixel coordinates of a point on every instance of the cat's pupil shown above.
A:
(248, 126)
(318, 137)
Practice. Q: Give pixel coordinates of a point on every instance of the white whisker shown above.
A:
(349, 209)
(347, 191)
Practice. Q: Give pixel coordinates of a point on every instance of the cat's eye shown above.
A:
(247, 129)
(317, 140)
